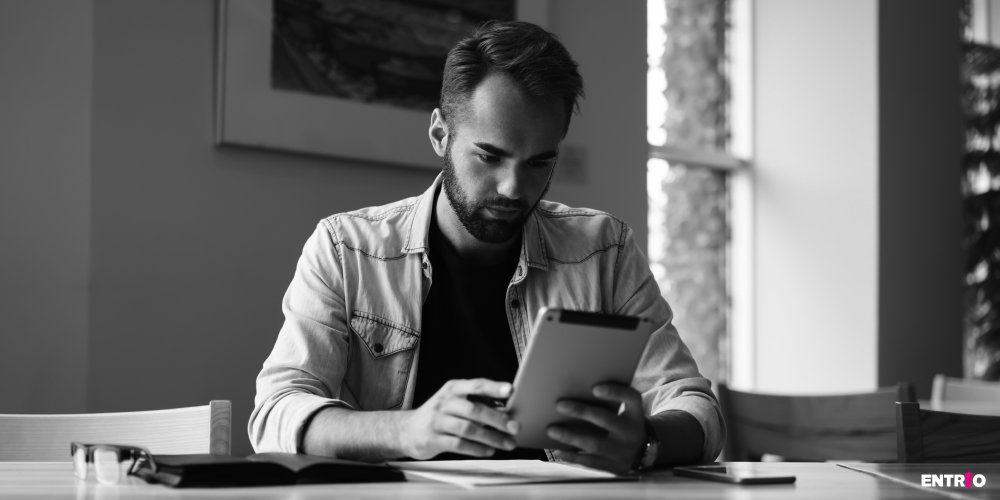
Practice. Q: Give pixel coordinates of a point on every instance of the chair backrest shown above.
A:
(812, 428)
(46, 438)
(927, 436)
(965, 396)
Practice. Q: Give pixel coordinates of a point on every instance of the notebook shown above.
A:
(263, 469)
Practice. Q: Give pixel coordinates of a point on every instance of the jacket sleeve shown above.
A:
(306, 367)
(667, 375)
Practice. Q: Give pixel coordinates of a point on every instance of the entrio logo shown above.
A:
(966, 480)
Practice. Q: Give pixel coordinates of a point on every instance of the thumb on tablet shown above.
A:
(480, 386)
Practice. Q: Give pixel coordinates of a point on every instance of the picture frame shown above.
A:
(250, 113)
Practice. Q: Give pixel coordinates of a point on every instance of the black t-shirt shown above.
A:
(465, 333)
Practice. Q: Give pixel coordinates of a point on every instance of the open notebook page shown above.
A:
(471, 473)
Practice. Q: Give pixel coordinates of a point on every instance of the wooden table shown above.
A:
(911, 474)
(815, 480)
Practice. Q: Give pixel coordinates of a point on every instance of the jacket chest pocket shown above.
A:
(380, 358)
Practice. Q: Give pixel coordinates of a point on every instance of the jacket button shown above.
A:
(378, 348)
(515, 304)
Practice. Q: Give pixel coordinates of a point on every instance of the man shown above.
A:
(396, 314)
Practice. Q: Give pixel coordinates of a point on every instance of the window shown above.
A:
(981, 189)
(698, 109)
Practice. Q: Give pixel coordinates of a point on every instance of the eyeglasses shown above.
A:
(107, 460)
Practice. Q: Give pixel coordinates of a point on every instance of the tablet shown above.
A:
(569, 353)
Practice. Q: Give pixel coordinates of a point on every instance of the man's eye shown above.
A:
(489, 158)
(541, 163)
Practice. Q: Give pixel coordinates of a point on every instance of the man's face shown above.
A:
(499, 158)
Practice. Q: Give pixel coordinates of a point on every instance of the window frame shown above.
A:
(737, 163)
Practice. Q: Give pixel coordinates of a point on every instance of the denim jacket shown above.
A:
(351, 336)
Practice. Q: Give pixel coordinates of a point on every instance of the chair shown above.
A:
(46, 438)
(927, 436)
(812, 428)
(965, 396)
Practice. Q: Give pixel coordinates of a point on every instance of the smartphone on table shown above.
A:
(733, 475)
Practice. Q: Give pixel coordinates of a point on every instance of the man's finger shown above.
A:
(472, 431)
(586, 442)
(464, 446)
(600, 417)
(480, 413)
(620, 394)
(480, 387)
(592, 461)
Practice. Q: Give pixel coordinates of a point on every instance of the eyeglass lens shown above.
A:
(107, 468)
(80, 462)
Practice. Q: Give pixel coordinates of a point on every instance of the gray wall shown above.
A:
(816, 195)
(45, 113)
(190, 247)
(608, 39)
(857, 190)
(920, 203)
(193, 245)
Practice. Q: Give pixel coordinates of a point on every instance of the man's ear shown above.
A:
(438, 132)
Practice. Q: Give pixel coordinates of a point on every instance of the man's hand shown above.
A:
(450, 422)
(626, 431)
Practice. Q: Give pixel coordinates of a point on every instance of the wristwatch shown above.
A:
(647, 454)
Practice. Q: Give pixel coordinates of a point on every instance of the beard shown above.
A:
(471, 213)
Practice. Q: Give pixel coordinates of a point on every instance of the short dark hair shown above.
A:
(534, 58)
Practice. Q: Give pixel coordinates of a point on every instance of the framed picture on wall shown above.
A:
(354, 79)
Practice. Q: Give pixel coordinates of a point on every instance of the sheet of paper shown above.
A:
(471, 473)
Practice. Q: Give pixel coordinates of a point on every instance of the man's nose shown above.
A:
(511, 182)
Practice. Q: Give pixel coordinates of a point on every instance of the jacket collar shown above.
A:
(419, 225)
(532, 238)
